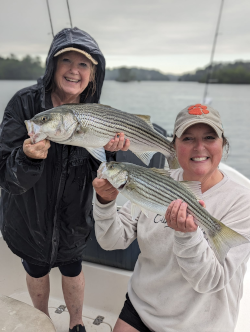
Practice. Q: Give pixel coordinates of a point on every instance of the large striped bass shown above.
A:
(93, 125)
(154, 189)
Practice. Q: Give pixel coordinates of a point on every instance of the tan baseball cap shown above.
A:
(198, 113)
(68, 49)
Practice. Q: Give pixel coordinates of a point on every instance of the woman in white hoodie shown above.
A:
(178, 284)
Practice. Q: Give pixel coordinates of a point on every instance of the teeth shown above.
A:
(199, 159)
(71, 80)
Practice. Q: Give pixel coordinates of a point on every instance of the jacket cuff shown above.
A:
(104, 210)
(27, 159)
(189, 239)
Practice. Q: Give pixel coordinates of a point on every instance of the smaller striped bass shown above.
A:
(92, 126)
(154, 189)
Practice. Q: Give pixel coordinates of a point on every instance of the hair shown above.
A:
(225, 145)
(92, 81)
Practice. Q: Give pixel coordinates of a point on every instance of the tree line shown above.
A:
(29, 68)
(226, 73)
(125, 74)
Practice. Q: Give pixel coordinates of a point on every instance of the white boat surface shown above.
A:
(104, 293)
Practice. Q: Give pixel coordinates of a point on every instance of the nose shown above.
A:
(199, 145)
(73, 68)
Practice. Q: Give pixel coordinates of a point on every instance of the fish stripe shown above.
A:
(167, 187)
(109, 124)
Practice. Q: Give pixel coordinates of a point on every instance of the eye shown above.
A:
(65, 60)
(187, 138)
(44, 118)
(210, 137)
(82, 64)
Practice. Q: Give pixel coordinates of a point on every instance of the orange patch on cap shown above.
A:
(198, 109)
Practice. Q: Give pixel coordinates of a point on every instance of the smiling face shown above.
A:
(72, 74)
(199, 151)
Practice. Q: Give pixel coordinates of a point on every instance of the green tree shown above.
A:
(125, 75)
(26, 69)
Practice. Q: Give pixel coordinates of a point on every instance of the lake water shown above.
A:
(163, 100)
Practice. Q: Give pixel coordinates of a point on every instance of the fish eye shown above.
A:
(44, 118)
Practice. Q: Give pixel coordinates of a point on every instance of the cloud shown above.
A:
(132, 28)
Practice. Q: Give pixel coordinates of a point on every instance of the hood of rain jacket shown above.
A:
(46, 205)
(78, 39)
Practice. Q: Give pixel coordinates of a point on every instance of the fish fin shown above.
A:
(97, 153)
(135, 210)
(173, 162)
(223, 240)
(194, 187)
(145, 157)
(161, 171)
(147, 119)
(104, 105)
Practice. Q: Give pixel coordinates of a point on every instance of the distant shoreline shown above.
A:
(136, 81)
(29, 68)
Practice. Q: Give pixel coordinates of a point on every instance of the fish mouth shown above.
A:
(28, 126)
(101, 174)
(122, 186)
(34, 132)
(101, 171)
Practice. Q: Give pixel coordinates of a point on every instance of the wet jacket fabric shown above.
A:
(46, 205)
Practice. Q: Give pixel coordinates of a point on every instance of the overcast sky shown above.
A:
(173, 36)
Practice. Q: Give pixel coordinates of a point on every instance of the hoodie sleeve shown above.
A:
(18, 173)
(114, 230)
(197, 260)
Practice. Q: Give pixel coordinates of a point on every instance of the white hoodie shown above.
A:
(178, 285)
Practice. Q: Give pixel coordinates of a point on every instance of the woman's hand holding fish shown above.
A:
(36, 151)
(178, 218)
(118, 143)
(104, 190)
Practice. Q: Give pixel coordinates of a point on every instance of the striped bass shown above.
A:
(154, 189)
(92, 126)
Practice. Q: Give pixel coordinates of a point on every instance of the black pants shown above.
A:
(131, 317)
(37, 271)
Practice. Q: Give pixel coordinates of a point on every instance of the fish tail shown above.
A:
(169, 153)
(172, 161)
(223, 240)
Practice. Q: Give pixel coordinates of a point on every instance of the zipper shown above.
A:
(55, 239)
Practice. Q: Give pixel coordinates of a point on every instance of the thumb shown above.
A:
(28, 141)
(99, 182)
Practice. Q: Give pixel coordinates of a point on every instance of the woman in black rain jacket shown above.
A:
(46, 202)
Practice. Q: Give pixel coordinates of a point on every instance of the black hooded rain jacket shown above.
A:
(46, 205)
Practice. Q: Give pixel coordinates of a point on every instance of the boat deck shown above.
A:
(104, 293)
(60, 317)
